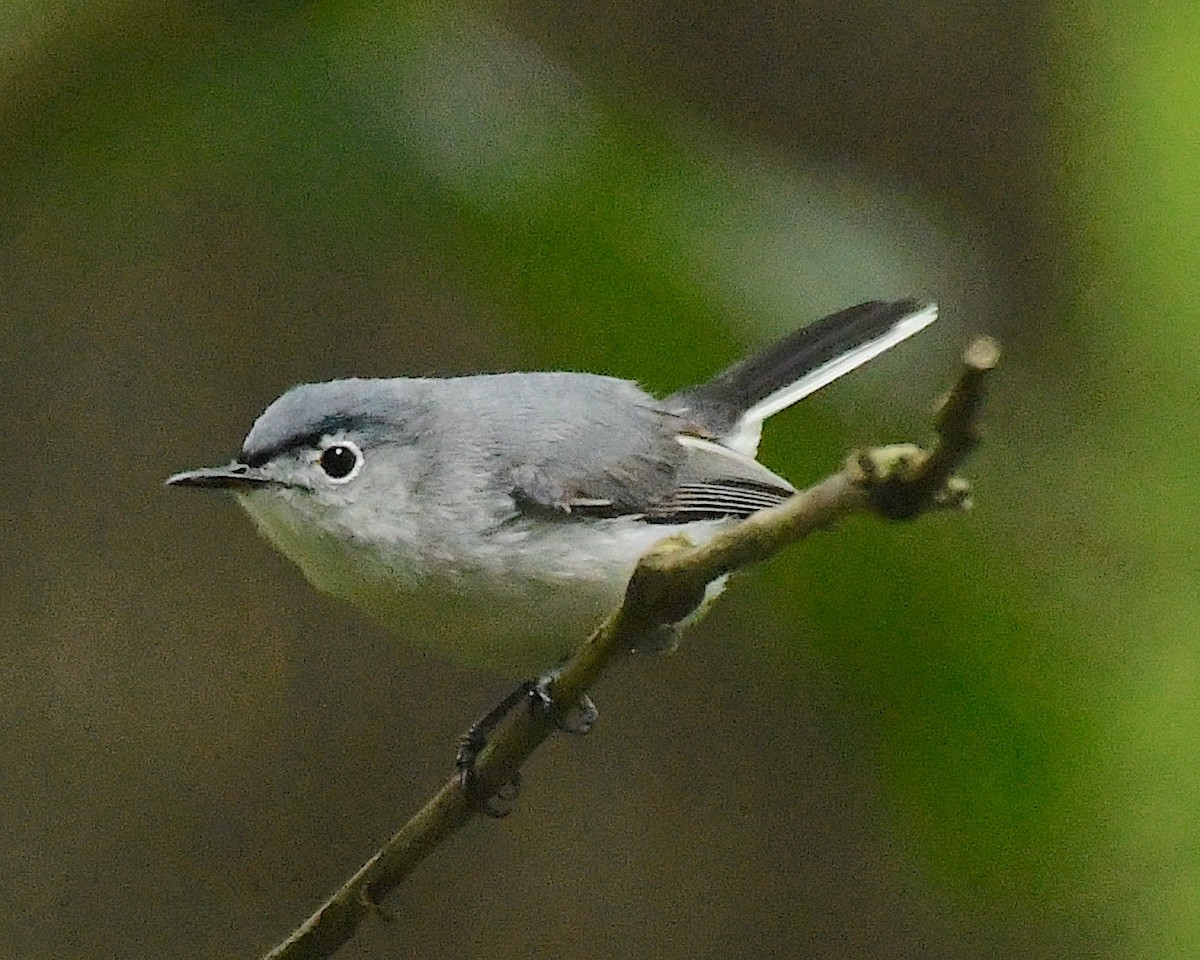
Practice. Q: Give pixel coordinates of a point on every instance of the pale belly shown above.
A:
(518, 601)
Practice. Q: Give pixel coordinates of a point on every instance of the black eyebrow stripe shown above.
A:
(267, 454)
(310, 437)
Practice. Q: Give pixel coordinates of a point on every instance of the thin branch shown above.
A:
(895, 482)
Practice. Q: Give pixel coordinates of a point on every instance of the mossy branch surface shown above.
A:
(898, 482)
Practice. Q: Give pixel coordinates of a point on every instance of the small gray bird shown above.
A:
(497, 518)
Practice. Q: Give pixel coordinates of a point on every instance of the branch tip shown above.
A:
(982, 353)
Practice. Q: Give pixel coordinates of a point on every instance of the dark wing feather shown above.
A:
(695, 479)
(624, 456)
(714, 500)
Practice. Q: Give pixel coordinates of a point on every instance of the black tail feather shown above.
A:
(720, 403)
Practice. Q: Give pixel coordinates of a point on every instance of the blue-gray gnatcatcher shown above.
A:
(498, 517)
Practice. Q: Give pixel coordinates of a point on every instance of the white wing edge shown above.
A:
(744, 464)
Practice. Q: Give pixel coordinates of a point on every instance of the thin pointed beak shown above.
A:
(234, 476)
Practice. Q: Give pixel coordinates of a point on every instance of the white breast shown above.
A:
(518, 598)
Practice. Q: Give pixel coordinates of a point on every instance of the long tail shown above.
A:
(734, 403)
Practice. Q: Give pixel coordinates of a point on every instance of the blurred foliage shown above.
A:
(961, 738)
(1128, 85)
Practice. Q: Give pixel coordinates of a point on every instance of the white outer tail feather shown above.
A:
(744, 437)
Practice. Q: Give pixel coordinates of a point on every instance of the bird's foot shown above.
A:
(574, 718)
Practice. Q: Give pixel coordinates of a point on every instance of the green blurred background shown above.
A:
(974, 736)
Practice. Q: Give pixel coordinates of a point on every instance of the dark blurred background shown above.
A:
(974, 736)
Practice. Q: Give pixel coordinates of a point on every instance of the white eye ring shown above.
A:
(340, 460)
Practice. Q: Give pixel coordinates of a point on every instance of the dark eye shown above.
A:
(339, 460)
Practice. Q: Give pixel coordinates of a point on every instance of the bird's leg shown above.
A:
(574, 718)
(471, 744)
